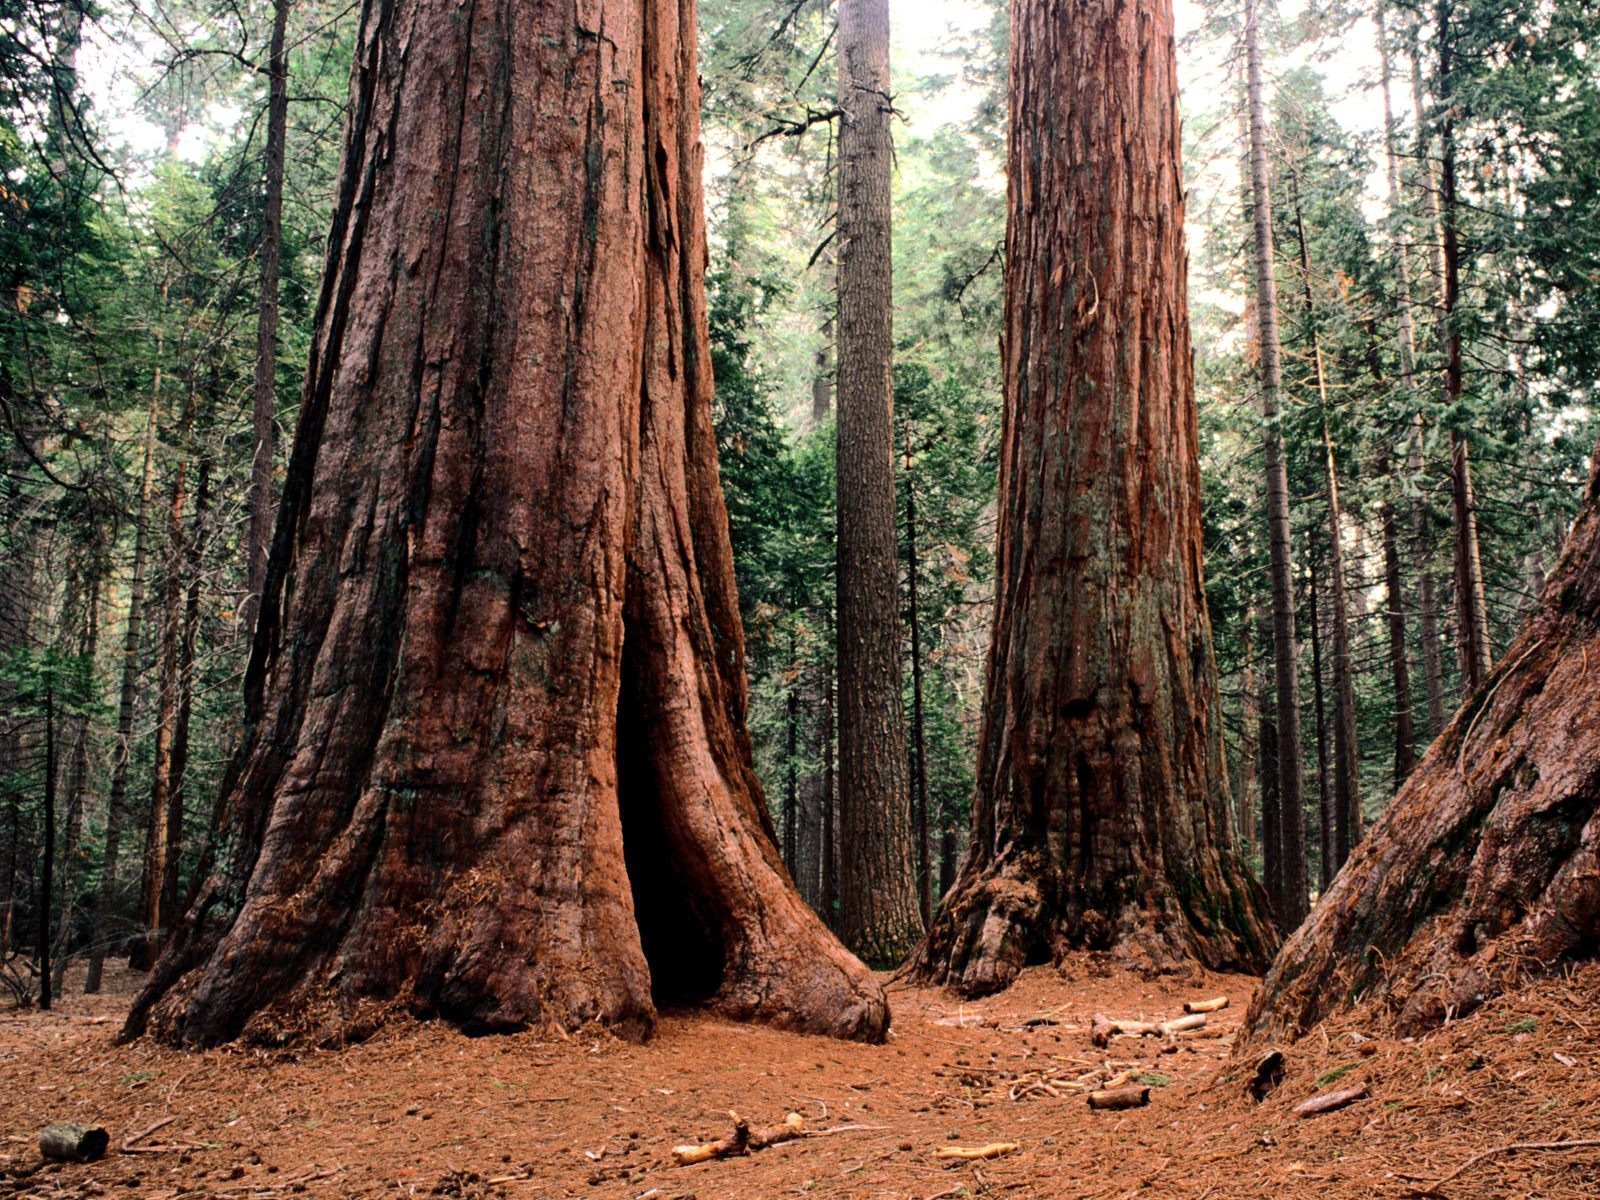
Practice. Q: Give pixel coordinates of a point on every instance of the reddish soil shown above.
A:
(421, 1110)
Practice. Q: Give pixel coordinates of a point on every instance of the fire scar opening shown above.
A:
(681, 927)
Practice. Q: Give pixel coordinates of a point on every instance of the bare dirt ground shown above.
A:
(421, 1110)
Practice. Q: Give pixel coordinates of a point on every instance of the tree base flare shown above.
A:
(1485, 868)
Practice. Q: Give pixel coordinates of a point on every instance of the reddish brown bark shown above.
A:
(495, 766)
(1486, 865)
(1101, 813)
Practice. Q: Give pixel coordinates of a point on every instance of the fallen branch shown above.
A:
(1432, 1189)
(973, 1153)
(1206, 1006)
(741, 1141)
(133, 1139)
(1102, 1028)
(1112, 1099)
(1330, 1101)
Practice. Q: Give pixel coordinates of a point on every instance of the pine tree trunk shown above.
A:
(494, 766)
(102, 922)
(1249, 741)
(1427, 585)
(1346, 762)
(822, 367)
(72, 854)
(1486, 865)
(1405, 754)
(1291, 906)
(176, 807)
(1101, 813)
(919, 735)
(791, 753)
(158, 845)
(46, 906)
(830, 808)
(264, 414)
(1405, 737)
(1472, 622)
(1271, 800)
(1327, 802)
(877, 881)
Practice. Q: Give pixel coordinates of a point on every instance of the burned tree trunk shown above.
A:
(1486, 864)
(1101, 813)
(495, 766)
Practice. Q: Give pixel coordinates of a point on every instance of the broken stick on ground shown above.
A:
(742, 1140)
(1330, 1101)
(972, 1153)
(1102, 1028)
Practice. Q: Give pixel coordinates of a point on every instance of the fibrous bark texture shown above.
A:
(495, 767)
(1486, 865)
(878, 914)
(1101, 813)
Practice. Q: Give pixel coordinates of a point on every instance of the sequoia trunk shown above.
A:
(494, 766)
(1487, 862)
(1100, 818)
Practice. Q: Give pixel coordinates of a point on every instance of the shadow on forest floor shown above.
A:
(421, 1110)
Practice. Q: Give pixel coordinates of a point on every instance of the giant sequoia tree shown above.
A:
(1100, 818)
(1486, 864)
(495, 767)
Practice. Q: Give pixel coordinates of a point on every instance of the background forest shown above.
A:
(166, 179)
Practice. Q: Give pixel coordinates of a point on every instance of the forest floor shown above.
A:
(421, 1110)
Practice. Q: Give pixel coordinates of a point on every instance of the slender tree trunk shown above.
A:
(830, 808)
(78, 776)
(1249, 744)
(791, 781)
(877, 879)
(1346, 761)
(1472, 647)
(1427, 584)
(494, 766)
(158, 844)
(822, 367)
(104, 920)
(1101, 813)
(1286, 684)
(1485, 868)
(264, 414)
(1405, 738)
(919, 735)
(47, 881)
(1404, 723)
(1271, 799)
(180, 733)
(1327, 797)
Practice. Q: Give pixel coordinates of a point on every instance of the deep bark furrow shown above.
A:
(502, 540)
(1101, 814)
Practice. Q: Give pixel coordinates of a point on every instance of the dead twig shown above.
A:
(133, 1139)
(1432, 1189)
